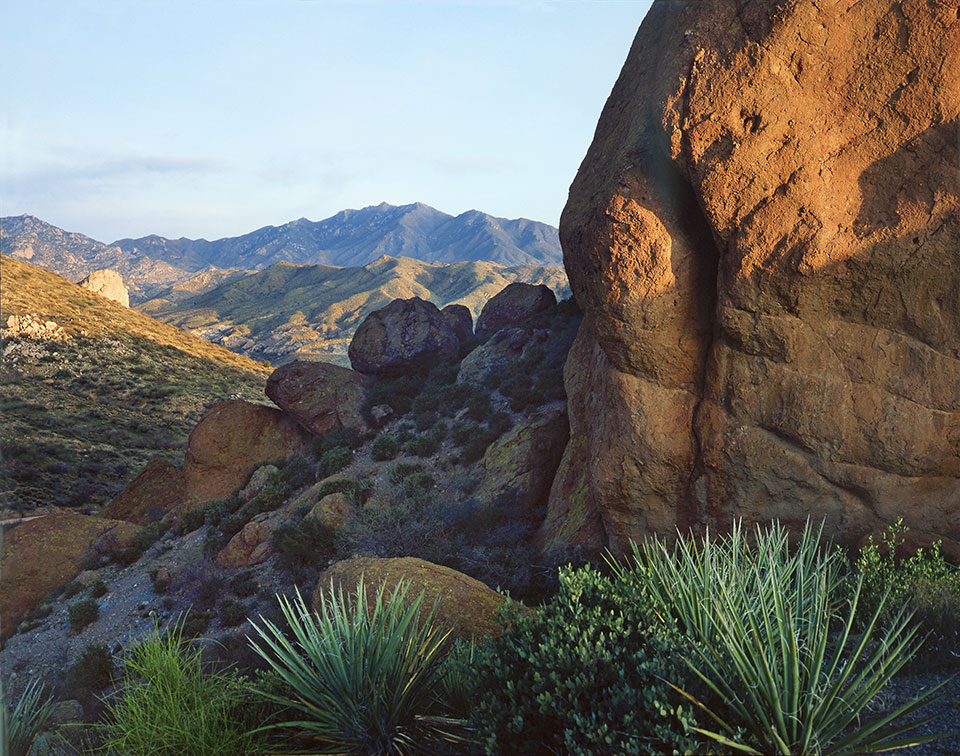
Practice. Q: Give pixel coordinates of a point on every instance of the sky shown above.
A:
(211, 118)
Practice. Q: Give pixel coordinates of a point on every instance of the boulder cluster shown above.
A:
(33, 326)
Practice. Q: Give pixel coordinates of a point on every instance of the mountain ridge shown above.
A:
(349, 238)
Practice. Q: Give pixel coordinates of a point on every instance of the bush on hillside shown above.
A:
(333, 461)
(585, 675)
(92, 671)
(82, 613)
(385, 447)
(924, 581)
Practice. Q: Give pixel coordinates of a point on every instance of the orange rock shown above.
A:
(156, 490)
(765, 239)
(229, 441)
(42, 554)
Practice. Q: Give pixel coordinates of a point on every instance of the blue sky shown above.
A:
(128, 117)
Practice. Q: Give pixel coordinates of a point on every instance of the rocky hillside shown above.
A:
(349, 238)
(289, 311)
(765, 239)
(85, 402)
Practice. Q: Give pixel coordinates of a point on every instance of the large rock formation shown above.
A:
(514, 304)
(42, 554)
(232, 439)
(320, 396)
(406, 336)
(156, 490)
(109, 284)
(765, 239)
(460, 320)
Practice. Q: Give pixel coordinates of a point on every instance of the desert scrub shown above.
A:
(169, 704)
(358, 490)
(244, 584)
(232, 612)
(98, 588)
(585, 675)
(92, 671)
(923, 581)
(362, 675)
(143, 540)
(302, 545)
(333, 461)
(385, 447)
(83, 613)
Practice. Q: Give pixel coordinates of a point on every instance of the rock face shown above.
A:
(232, 439)
(495, 356)
(319, 396)
(156, 491)
(466, 604)
(109, 284)
(521, 463)
(460, 320)
(406, 336)
(42, 554)
(512, 305)
(765, 239)
(32, 326)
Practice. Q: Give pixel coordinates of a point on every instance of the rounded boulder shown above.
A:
(406, 336)
(514, 304)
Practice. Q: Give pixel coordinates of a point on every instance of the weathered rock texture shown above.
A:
(406, 336)
(319, 396)
(42, 554)
(512, 305)
(109, 284)
(232, 439)
(521, 464)
(765, 239)
(156, 490)
(466, 604)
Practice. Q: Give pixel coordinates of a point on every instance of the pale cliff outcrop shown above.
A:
(107, 283)
(765, 239)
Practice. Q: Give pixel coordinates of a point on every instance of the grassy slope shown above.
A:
(80, 418)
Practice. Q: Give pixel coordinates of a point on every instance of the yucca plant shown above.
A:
(771, 635)
(20, 730)
(363, 674)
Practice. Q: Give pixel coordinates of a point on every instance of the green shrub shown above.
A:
(20, 729)
(244, 584)
(770, 635)
(527, 398)
(93, 669)
(211, 514)
(397, 393)
(232, 612)
(424, 445)
(348, 437)
(159, 579)
(82, 613)
(425, 420)
(298, 472)
(195, 623)
(71, 589)
(358, 490)
(426, 401)
(478, 407)
(385, 447)
(499, 423)
(585, 675)
(302, 545)
(924, 581)
(362, 681)
(98, 588)
(452, 398)
(333, 461)
(476, 446)
(143, 540)
(170, 705)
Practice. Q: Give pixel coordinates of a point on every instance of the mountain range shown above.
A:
(349, 238)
